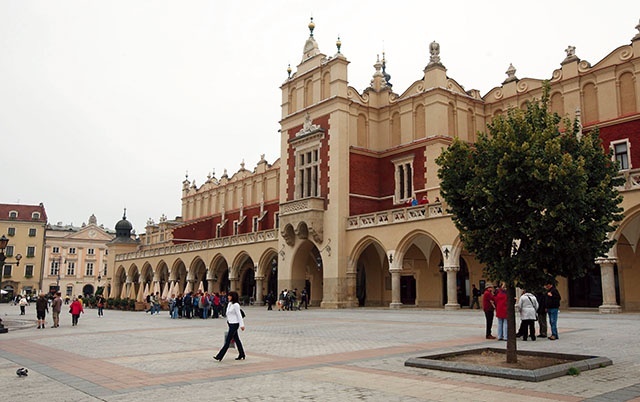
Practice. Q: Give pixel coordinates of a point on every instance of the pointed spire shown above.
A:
(387, 77)
(377, 82)
(312, 26)
(434, 58)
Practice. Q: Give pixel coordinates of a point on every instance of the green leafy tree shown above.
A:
(531, 201)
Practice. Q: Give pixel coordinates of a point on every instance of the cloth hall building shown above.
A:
(332, 215)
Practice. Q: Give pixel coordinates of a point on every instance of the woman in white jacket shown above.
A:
(528, 307)
(235, 321)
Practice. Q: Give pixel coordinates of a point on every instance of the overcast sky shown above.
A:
(107, 104)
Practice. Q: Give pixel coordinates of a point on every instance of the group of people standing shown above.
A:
(42, 309)
(196, 305)
(532, 308)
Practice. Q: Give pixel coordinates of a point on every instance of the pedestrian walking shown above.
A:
(56, 307)
(234, 321)
(42, 308)
(100, 302)
(488, 306)
(76, 309)
(23, 303)
(475, 297)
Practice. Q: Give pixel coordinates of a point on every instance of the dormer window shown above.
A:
(13, 214)
(35, 215)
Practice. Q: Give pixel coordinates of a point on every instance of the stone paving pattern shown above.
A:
(308, 355)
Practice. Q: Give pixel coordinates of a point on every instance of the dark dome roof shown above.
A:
(124, 224)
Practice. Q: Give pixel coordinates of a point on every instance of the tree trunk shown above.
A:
(512, 351)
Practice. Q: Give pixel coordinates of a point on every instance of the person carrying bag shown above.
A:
(234, 321)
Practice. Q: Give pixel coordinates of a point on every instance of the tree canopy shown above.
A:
(530, 200)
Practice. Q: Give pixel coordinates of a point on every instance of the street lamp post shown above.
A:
(3, 245)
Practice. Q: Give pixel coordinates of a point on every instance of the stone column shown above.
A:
(452, 293)
(609, 305)
(351, 289)
(259, 283)
(395, 287)
(210, 285)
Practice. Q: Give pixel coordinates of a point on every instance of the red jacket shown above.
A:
(76, 307)
(501, 304)
(487, 298)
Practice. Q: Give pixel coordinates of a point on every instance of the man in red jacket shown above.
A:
(488, 305)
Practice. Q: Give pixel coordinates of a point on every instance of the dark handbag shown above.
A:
(242, 313)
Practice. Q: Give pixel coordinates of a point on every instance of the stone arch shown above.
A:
(452, 119)
(418, 255)
(267, 275)
(307, 271)
(370, 267)
(119, 280)
(243, 270)
(198, 274)
(219, 274)
(308, 93)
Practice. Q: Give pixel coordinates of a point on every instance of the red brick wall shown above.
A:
(373, 176)
(629, 130)
(206, 228)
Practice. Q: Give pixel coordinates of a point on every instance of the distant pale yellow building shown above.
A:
(76, 258)
(24, 226)
(333, 215)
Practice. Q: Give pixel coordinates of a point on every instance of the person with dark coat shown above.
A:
(489, 306)
(42, 308)
(542, 314)
(553, 305)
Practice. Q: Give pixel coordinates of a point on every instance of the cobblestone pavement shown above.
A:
(314, 355)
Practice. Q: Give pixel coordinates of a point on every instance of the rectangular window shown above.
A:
(104, 270)
(11, 231)
(28, 270)
(55, 268)
(55, 250)
(31, 251)
(621, 154)
(32, 232)
(218, 230)
(308, 174)
(254, 224)
(72, 250)
(403, 179)
(70, 291)
(6, 272)
(90, 251)
(89, 270)
(71, 268)
(276, 220)
(235, 228)
(8, 251)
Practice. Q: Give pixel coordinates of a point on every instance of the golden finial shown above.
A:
(338, 44)
(289, 70)
(311, 26)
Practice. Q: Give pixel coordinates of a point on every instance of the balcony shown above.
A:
(631, 180)
(394, 216)
(209, 244)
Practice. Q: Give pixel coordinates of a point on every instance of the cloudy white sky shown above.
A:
(106, 104)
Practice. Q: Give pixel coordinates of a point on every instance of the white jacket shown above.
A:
(233, 314)
(528, 306)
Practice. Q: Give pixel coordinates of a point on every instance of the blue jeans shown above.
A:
(553, 321)
(502, 328)
(174, 312)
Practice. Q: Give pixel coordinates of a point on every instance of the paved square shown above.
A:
(315, 355)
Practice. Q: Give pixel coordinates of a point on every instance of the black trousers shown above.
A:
(489, 317)
(232, 334)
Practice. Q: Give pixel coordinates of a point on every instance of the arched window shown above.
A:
(590, 103)
(308, 93)
(557, 104)
(627, 94)
(326, 85)
(361, 141)
(395, 130)
(471, 125)
(421, 124)
(451, 114)
(293, 100)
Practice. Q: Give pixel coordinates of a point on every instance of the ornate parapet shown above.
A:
(393, 216)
